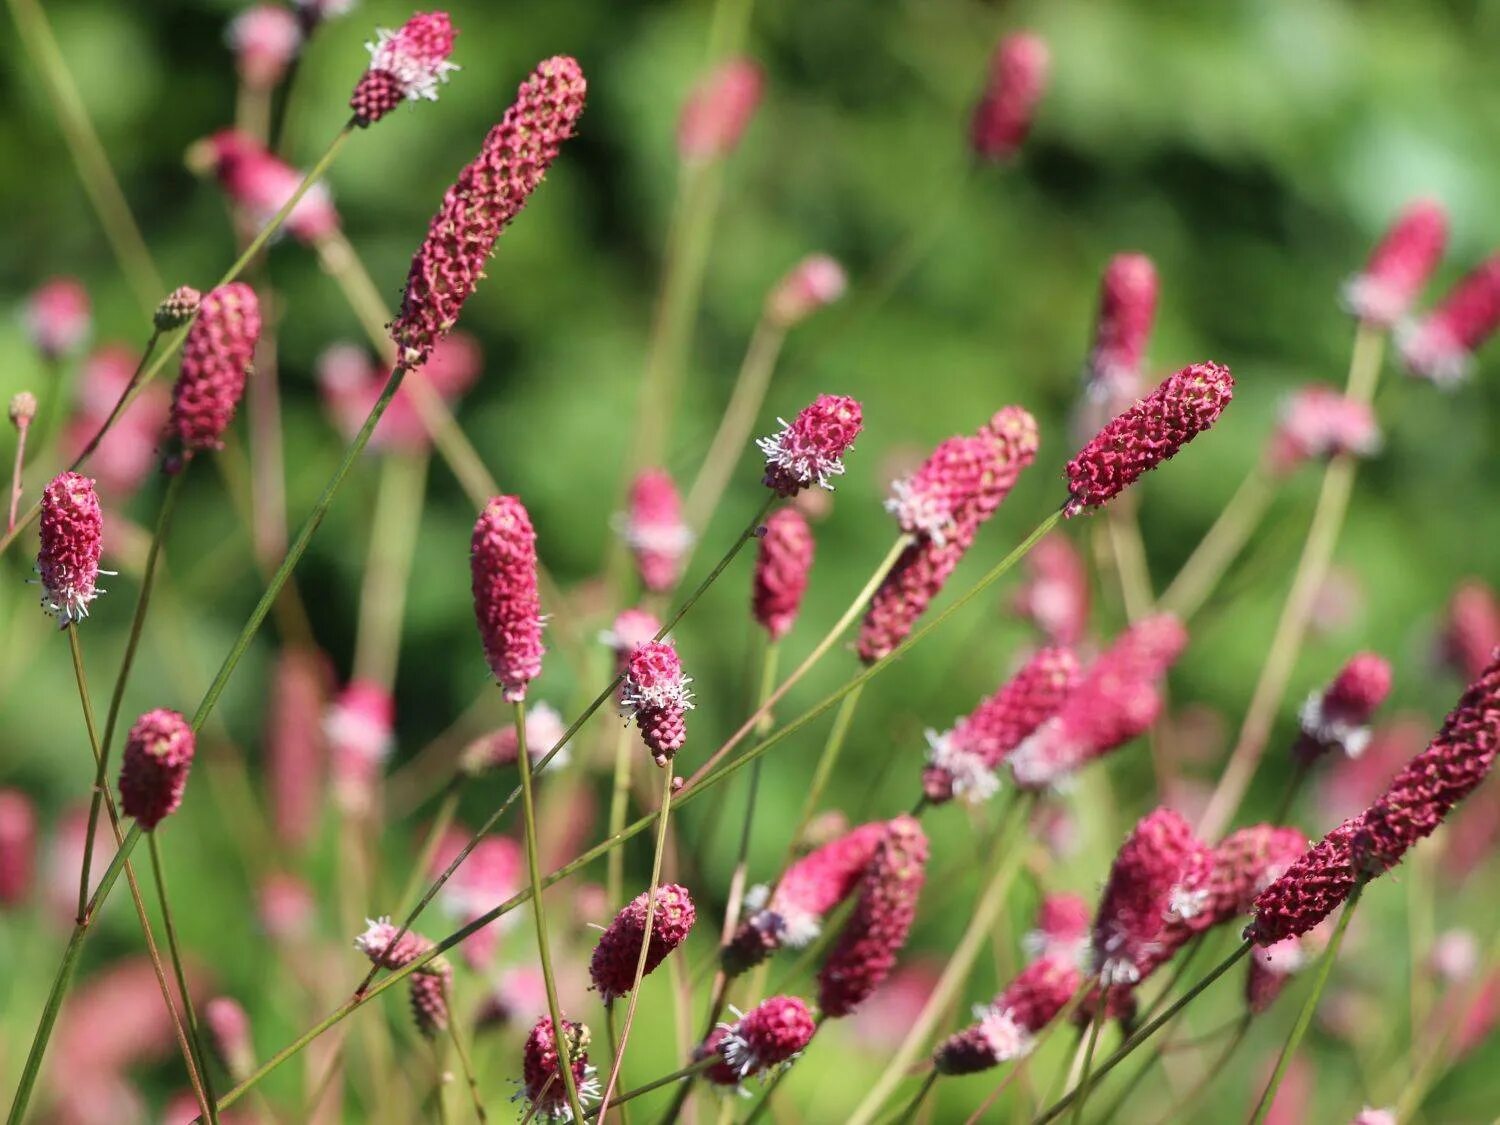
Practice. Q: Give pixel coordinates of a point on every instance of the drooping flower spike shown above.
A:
(1007, 1027)
(810, 449)
(405, 65)
(216, 360)
(1441, 346)
(542, 1082)
(1471, 628)
(427, 987)
(813, 283)
(1399, 266)
(718, 111)
(71, 531)
(500, 747)
(653, 528)
(655, 693)
(1017, 77)
(615, 957)
(1127, 310)
(1063, 924)
(1338, 718)
(507, 605)
(154, 771)
(770, 1035)
(782, 562)
(1055, 596)
(260, 183)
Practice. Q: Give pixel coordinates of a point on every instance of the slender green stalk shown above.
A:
(910, 1113)
(440, 823)
(1223, 541)
(1088, 1062)
(1309, 1006)
(692, 1070)
(15, 473)
(832, 747)
(1128, 553)
(463, 1059)
(1063, 1019)
(619, 805)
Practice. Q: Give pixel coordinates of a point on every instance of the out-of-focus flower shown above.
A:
(1481, 1014)
(285, 907)
(1454, 956)
(1016, 80)
(360, 728)
(718, 111)
(655, 693)
(1270, 971)
(1007, 1028)
(782, 563)
(427, 991)
(507, 606)
(519, 995)
(542, 1081)
(1055, 595)
(882, 1021)
(17, 847)
(22, 410)
(810, 449)
(1062, 927)
(114, 1019)
(813, 283)
(1318, 422)
(127, 451)
(1471, 632)
(350, 382)
(1339, 603)
(771, 1034)
(653, 528)
(296, 752)
(1371, 1116)
(71, 532)
(158, 755)
(260, 184)
(216, 359)
(57, 317)
(405, 65)
(265, 39)
(618, 951)
(491, 874)
(1308, 891)
(632, 627)
(1441, 346)
(500, 747)
(1127, 310)
(229, 1032)
(1399, 266)
(1338, 717)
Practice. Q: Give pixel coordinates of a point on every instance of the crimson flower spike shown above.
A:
(1016, 81)
(653, 528)
(1127, 310)
(612, 966)
(782, 563)
(158, 755)
(541, 1079)
(215, 363)
(1441, 346)
(1399, 266)
(1338, 718)
(809, 450)
(71, 531)
(718, 111)
(655, 693)
(770, 1035)
(507, 605)
(1007, 1027)
(405, 65)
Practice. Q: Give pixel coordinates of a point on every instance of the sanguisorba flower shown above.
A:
(769, 1035)
(655, 693)
(154, 771)
(260, 184)
(1441, 346)
(1055, 595)
(870, 941)
(1471, 628)
(427, 987)
(782, 562)
(810, 449)
(653, 527)
(71, 532)
(1127, 310)
(631, 627)
(57, 317)
(360, 727)
(718, 111)
(813, 283)
(488, 194)
(229, 1033)
(1017, 77)
(1399, 266)
(507, 605)
(501, 747)
(1063, 922)
(405, 65)
(1310, 889)
(296, 753)
(1317, 422)
(176, 308)
(1338, 717)
(1007, 1027)
(17, 846)
(615, 957)
(541, 1077)
(216, 359)
(265, 39)
(1148, 433)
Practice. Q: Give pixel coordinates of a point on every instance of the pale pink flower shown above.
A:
(260, 183)
(719, 110)
(57, 317)
(265, 39)
(814, 283)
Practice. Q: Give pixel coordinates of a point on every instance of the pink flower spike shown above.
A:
(814, 283)
(71, 530)
(487, 195)
(216, 359)
(612, 966)
(428, 990)
(229, 1032)
(542, 1083)
(771, 1034)
(1055, 596)
(57, 317)
(1127, 310)
(17, 847)
(1150, 432)
(500, 748)
(408, 65)
(718, 111)
(1007, 1028)
(1063, 922)
(379, 943)
(1338, 718)
(810, 449)
(1399, 266)
(507, 605)
(1317, 422)
(1471, 632)
(654, 530)
(1441, 346)
(1017, 79)
(296, 751)
(360, 729)
(782, 563)
(265, 39)
(158, 754)
(655, 693)
(1311, 889)
(259, 184)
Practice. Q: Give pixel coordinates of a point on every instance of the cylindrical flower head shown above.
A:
(1008, 1027)
(769, 1035)
(1472, 629)
(631, 627)
(782, 563)
(876, 931)
(57, 317)
(1338, 718)
(1017, 78)
(360, 728)
(1127, 310)
(1441, 346)
(1055, 596)
(1311, 889)
(507, 606)
(1271, 970)
(654, 530)
(405, 65)
(1399, 266)
(1063, 923)
(260, 183)
(1162, 871)
(962, 761)
(1317, 422)
(655, 693)
(428, 990)
(265, 39)
(487, 195)
(612, 966)
(810, 449)
(177, 308)
(215, 361)
(229, 1033)
(541, 1079)
(718, 111)
(71, 529)
(17, 846)
(1245, 863)
(158, 754)
(935, 500)
(500, 747)
(814, 283)
(1148, 433)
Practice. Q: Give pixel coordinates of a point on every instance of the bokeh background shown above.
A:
(1255, 150)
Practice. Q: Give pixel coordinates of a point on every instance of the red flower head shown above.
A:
(1399, 266)
(487, 195)
(506, 603)
(259, 184)
(1150, 432)
(1127, 310)
(1311, 889)
(962, 761)
(1338, 718)
(17, 846)
(542, 1082)
(216, 359)
(265, 39)
(407, 65)
(1245, 863)
(654, 529)
(613, 964)
(1472, 631)
(229, 1032)
(867, 947)
(1055, 596)
(719, 110)
(631, 628)
(1008, 1027)
(154, 772)
(1271, 970)
(1441, 346)
(1317, 422)
(1062, 928)
(781, 566)
(771, 1034)
(1017, 77)
(814, 283)
(428, 989)
(655, 693)
(810, 449)
(57, 317)
(71, 529)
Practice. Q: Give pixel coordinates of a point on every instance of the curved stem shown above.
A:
(692, 1070)
(910, 1113)
(1219, 547)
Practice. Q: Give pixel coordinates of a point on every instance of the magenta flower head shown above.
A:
(1318, 422)
(1008, 1027)
(1371, 1115)
(718, 111)
(1399, 266)
(1162, 872)
(654, 530)
(487, 195)
(1055, 595)
(379, 942)
(1471, 631)
(541, 1079)
(814, 283)
(216, 359)
(71, 531)
(1441, 346)
(769, 1035)
(507, 606)
(405, 65)
(427, 991)
(1245, 863)
(1127, 310)
(1309, 890)
(1338, 717)
(962, 761)
(57, 317)
(17, 846)
(810, 449)
(613, 964)
(631, 627)
(1017, 78)
(1063, 922)
(782, 563)
(1148, 433)
(655, 693)
(229, 1033)
(259, 183)
(875, 933)
(158, 754)
(265, 39)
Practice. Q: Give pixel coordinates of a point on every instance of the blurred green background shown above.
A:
(1255, 150)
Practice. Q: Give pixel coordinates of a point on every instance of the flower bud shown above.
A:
(1017, 78)
(158, 755)
(718, 111)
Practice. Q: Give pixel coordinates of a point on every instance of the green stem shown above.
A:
(910, 1113)
(463, 1058)
(1216, 551)
(832, 747)
(692, 1070)
(619, 805)
(1088, 1058)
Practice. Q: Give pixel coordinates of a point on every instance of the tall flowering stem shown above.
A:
(1195, 581)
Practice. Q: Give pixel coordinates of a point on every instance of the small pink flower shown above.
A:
(631, 628)
(265, 39)
(810, 450)
(285, 907)
(1399, 266)
(655, 693)
(259, 184)
(1338, 718)
(57, 317)
(719, 110)
(1316, 423)
(351, 381)
(360, 729)
(518, 996)
(1471, 632)
(771, 1034)
(408, 64)
(127, 452)
(1017, 78)
(1372, 1116)
(1062, 927)
(379, 941)
(1127, 310)
(814, 283)
(542, 1081)
(500, 748)
(17, 847)
(296, 751)
(71, 530)
(507, 605)
(1441, 346)
(216, 359)
(158, 754)
(782, 563)
(1007, 1028)
(1055, 595)
(654, 530)
(229, 1033)
(492, 873)
(615, 957)
(1271, 970)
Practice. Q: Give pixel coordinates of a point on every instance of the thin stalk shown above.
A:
(692, 1070)
(539, 913)
(1129, 555)
(1309, 1006)
(763, 1106)
(126, 393)
(662, 818)
(463, 1059)
(1088, 1060)
(1219, 547)
(393, 539)
(1189, 1102)
(15, 475)
(910, 1113)
(619, 805)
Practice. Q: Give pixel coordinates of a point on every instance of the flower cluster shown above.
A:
(542, 1083)
(1441, 346)
(215, 362)
(405, 65)
(57, 317)
(1317, 422)
(655, 693)
(1055, 595)
(507, 605)
(1399, 266)
(619, 949)
(71, 530)
(1017, 78)
(1007, 1027)
(809, 450)
(154, 771)
(782, 563)
(654, 530)
(1338, 718)
(771, 1034)
(1127, 310)
(260, 185)
(501, 747)
(813, 283)
(719, 110)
